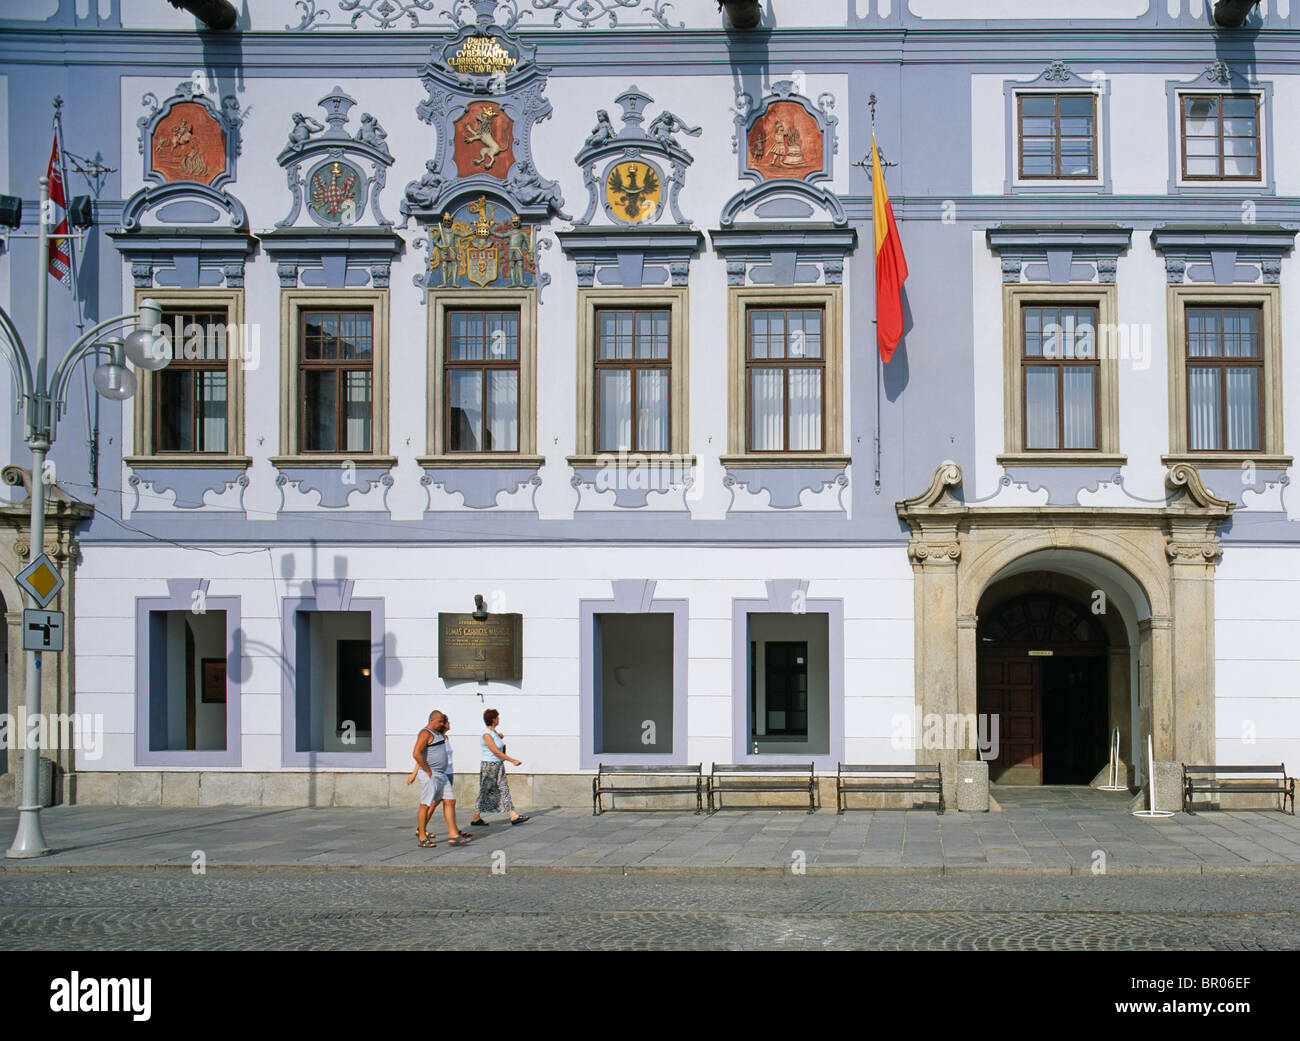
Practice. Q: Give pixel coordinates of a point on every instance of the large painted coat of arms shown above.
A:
(481, 245)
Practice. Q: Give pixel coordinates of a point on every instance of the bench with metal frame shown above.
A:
(671, 780)
(853, 778)
(1255, 779)
(747, 778)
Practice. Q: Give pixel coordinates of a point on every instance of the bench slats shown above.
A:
(866, 778)
(1227, 779)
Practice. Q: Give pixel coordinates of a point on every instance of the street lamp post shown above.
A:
(42, 400)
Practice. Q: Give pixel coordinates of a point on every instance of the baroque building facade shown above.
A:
(570, 307)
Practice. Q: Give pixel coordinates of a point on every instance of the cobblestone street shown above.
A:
(380, 910)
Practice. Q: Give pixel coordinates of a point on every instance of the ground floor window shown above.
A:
(633, 690)
(333, 681)
(789, 684)
(187, 681)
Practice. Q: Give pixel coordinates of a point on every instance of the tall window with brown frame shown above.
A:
(191, 394)
(633, 381)
(1060, 377)
(1225, 379)
(1058, 136)
(1220, 137)
(481, 381)
(785, 377)
(336, 380)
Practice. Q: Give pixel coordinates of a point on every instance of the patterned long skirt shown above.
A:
(493, 789)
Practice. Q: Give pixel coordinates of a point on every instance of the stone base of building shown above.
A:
(361, 789)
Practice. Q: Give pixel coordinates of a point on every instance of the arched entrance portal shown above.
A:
(1042, 673)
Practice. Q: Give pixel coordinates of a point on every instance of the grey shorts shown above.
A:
(435, 788)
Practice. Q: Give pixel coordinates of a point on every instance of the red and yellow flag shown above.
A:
(891, 265)
(60, 258)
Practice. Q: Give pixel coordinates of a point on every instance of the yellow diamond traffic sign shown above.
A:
(41, 580)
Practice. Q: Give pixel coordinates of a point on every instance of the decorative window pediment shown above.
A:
(1223, 254)
(1059, 254)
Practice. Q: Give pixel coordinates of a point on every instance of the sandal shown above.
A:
(427, 843)
(479, 824)
(459, 840)
(519, 820)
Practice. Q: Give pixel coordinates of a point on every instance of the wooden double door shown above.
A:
(1052, 714)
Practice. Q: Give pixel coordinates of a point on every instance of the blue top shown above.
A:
(488, 755)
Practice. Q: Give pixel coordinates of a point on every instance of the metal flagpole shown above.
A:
(76, 297)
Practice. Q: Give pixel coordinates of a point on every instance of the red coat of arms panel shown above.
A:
(189, 144)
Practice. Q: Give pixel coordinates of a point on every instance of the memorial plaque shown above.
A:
(472, 648)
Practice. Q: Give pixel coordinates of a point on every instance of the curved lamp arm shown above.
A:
(17, 355)
(68, 364)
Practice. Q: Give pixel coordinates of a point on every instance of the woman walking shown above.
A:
(493, 788)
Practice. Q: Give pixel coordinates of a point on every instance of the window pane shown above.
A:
(1040, 407)
(652, 410)
(1033, 321)
(766, 410)
(503, 411)
(212, 411)
(1203, 409)
(1240, 166)
(174, 409)
(1202, 167)
(502, 335)
(1080, 400)
(805, 410)
(615, 389)
(1076, 105)
(1038, 104)
(356, 407)
(320, 404)
(464, 410)
(1238, 107)
(356, 336)
(467, 336)
(1243, 410)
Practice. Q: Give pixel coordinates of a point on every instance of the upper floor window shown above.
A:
(336, 380)
(1060, 378)
(633, 380)
(482, 380)
(785, 380)
(1058, 136)
(1220, 137)
(1225, 379)
(191, 394)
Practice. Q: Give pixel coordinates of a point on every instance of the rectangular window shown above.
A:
(633, 381)
(482, 381)
(1058, 136)
(633, 683)
(1220, 137)
(1061, 377)
(785, 371)
(336, 380)
(334, 690)
(1225, 379)
(182, 647)
(787, 688)
(191, 394)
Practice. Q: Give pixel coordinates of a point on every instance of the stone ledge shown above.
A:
(389, 789)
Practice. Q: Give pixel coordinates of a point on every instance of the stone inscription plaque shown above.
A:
(470, 648)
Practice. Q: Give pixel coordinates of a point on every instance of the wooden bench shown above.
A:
(659, 780)
(889, 777)
(795, 779)
(1219, 780)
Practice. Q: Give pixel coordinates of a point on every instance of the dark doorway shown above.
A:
(1042, 672)
(1074, 719)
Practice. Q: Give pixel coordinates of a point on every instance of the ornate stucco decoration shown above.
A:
(785, 146)
(324, 166)
(190, 143)
(485, 95)
(389, 14)
(633, 184)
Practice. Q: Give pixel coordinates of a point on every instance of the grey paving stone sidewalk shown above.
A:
(1040, 831)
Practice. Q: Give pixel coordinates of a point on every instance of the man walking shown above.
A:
(433, 766)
